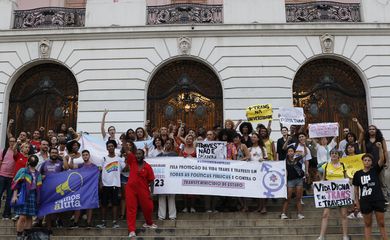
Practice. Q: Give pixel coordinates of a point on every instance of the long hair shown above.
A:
(144, 135)
(378, 134)
(261, 142)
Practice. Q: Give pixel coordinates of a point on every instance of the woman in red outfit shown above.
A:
(141, 178)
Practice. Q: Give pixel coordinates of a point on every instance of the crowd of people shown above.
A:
(30, 157)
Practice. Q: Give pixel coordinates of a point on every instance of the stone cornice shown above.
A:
(212, 30)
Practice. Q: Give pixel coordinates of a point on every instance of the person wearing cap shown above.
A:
(334, 170)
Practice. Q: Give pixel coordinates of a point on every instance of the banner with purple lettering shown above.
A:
(70, 190)
(335, 193)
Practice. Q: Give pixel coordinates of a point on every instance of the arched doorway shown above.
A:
(330, 91)
(185, 90)
(45, 95)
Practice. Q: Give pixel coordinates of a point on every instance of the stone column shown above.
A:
(105, 13)
(7, 8)
(250, 11)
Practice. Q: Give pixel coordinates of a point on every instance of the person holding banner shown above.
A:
(112, 167)
(295, 176)
(139, 189)
(368, 191)
(334, 170)
(26, 184)
(169, 151)
(86, 164)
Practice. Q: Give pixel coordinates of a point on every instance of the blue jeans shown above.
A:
(5, 185)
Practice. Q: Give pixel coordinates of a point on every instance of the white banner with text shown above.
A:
(335, 193)
(177, 175)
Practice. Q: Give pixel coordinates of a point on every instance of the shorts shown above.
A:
(295, 183)
(110, 194)
(367, 207)
(124, 179)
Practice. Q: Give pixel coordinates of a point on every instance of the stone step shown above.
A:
(376, 236)
(231, 231)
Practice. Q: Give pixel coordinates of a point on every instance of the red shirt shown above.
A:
(139, 178)
(20, 162)
(36, 145)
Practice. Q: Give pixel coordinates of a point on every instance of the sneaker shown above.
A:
(209, 211)
(15, 218)
(84, 217)
(161, 219)
(115, 224)
(351, 216)
(192, 210)
(185, 210)
(320, 238)
(5, 218)
(153, 226)
(359, 215)
(345, 237)
(283, 216)
(132, 234)
(74, 225)
(172, 219)
(101, 226)
(301, 216)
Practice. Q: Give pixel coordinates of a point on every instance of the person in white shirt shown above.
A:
(111, 131)
(111, 183)
(323, 151)
(158, 145)
(43, 154)
(257, 151)
(304, 151)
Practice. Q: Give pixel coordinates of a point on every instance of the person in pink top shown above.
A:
(7, 165)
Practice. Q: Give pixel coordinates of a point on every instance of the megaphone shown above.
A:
(77, 183)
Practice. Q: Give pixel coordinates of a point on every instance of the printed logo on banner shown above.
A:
(273, 180)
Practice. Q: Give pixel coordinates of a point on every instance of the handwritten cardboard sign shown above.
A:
(334, 193)
(319, 130)
(291, 116)
(211, 150)
(259, 113)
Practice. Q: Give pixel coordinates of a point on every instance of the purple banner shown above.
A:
(70, 190)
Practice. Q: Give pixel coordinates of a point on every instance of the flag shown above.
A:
(70, 190)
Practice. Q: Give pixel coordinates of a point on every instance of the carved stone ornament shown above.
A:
(44, 48)
(327, 43)
(184, 45)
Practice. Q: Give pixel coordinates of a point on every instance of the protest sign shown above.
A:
(319, 130)
(334, 193)
(176, 175)
(70, 190)
(259, 113)
(352, 164)
(211, 150)
(291, 116)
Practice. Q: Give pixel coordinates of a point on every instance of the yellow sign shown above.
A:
(259, 113)
(352, 164)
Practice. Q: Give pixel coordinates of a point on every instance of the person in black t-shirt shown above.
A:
(371, 196)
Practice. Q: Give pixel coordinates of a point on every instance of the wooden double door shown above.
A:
(188, 91)
(331, 91)
(45, 95)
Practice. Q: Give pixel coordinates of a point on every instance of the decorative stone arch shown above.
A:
(331, 88)
(193, 79)
(57, 72)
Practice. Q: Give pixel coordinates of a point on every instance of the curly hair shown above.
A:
(228, 132)
(378, 134)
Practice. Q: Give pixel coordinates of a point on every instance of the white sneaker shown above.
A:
(351, 216)
(283, 216)
(192, 210)
(185, 210)
(209, 211)
(345, 237)
(359, 215)
(115, 224)
(132, 234)
(320, 238)
(301, 216)
(153, 226)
